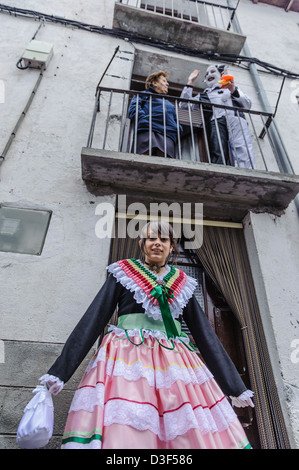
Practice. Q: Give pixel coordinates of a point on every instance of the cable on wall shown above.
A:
(133, 37)
(40, 64)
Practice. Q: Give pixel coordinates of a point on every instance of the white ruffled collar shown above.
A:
(141, 297)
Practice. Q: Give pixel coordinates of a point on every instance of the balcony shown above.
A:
(201, 25)
(111, 164)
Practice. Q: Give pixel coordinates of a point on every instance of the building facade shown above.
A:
(70, 175)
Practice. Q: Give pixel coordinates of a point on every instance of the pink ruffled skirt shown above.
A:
(150, 397)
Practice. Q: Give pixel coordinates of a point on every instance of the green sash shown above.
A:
(161, 293)
(138, 321)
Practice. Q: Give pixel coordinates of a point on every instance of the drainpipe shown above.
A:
(282, 156)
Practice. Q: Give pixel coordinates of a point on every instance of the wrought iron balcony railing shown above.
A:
(210, 14)
(249, 139)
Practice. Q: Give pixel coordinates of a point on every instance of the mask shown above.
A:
(213, 75)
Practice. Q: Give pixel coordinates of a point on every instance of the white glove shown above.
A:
(53, 384)
(243, 400)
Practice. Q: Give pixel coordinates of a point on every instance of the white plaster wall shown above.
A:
(273, 37)
(273, 248)
(46, 295)
(97, 12)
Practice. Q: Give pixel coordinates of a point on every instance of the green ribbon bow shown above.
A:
(162, 293)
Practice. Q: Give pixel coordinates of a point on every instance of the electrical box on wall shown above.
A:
(38, 54)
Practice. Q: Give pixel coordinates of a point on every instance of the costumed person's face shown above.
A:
(157, 248)
(212, 76)
(161, 85)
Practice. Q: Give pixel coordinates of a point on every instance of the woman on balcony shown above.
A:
(157, 128)
(146, 387)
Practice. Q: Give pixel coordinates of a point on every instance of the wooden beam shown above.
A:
(211, 223)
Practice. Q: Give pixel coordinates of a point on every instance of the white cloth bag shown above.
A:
(36, 426)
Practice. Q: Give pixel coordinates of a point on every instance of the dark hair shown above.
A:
(163, 228)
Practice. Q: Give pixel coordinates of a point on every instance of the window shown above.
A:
(23, 230)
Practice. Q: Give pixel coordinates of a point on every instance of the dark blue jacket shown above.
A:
(157, 114)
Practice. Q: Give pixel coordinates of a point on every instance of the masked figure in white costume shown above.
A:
(231, 129)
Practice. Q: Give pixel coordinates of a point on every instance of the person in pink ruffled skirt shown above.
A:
(146, 387)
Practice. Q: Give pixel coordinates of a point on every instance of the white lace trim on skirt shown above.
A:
(119, 332)
(158, 378)
(144, 416)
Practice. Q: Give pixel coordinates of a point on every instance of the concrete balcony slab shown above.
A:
(176, 30)
(228, 193)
